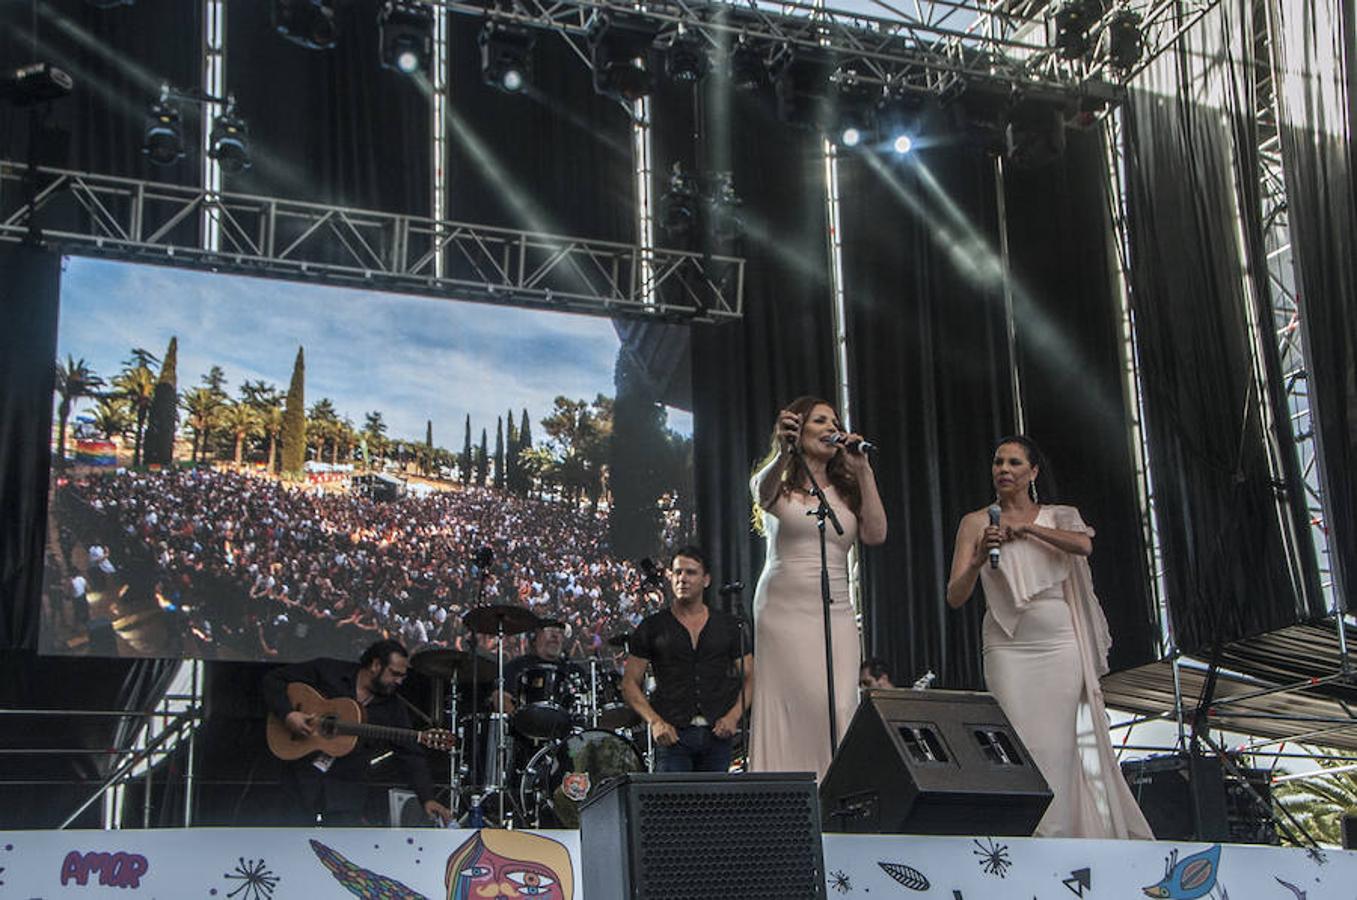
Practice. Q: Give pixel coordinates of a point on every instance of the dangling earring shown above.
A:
(1032, 490)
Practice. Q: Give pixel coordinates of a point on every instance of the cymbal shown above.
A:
(443, 663)
(621, 639)
(487, 619)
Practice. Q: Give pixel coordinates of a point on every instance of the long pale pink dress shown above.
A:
(789, 726)
(1045, 645)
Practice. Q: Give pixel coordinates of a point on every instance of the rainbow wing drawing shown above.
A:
(362, 882)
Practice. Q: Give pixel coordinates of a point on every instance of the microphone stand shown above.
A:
(822, 512)
(728, 594)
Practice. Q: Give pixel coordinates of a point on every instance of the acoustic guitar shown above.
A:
(338, 725)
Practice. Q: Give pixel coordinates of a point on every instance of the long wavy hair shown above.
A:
(791, 469)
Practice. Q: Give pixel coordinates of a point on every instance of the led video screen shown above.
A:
(247, 468)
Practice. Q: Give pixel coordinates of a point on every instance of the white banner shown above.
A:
(433, 864)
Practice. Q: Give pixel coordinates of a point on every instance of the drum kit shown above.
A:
(569, 729)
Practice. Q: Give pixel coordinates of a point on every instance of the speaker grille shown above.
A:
(727, 843)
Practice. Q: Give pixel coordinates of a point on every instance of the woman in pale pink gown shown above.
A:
(789, 729)
(1045, 645)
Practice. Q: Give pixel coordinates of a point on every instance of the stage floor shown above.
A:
(408, 864)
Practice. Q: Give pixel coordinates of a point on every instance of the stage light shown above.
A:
(902, 144)
(310, 23)
(506, 56)
(680, 205)
(801, 87)
(900, 116)
(748, 67)
(687, 60)
(163, 142)
(1125, 40)
(723, 209)
(619, 44)
(405, 36)
(850, 137)
(1073, 19)
(230, 145)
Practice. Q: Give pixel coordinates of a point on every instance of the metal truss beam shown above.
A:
(129, 218)
(930, 46)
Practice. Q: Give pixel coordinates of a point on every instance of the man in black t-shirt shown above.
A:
(696, 656)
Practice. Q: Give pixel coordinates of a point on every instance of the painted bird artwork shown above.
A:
(1190, 877)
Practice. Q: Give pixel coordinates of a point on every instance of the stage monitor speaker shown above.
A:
(694, 836)
(932, 762)
(1349, 832)
(405, 810)
(1182, 798)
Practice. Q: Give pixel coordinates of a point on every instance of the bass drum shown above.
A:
(562, 775)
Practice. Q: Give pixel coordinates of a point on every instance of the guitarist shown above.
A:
(333, 791)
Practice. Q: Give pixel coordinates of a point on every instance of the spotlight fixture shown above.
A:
(405, 36)
(680, 205)
(1125, 40)
(1073, 20)
(506, 56)
(748, 68)
(801, 86)
(902, 144)
(38, 82)
(855, 102)
(687, 60)
(723, 208)
(619, 43)
(230, 145)
(163, 142)
(899, 119)
(310, 23)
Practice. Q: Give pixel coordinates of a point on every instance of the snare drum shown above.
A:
(544, 701)
(562, 775)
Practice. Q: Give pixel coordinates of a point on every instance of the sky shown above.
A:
(415, 359)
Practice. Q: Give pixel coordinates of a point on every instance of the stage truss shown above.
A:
(932, 46)
(105, 215)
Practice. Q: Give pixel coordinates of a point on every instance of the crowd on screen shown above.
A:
(255, 567)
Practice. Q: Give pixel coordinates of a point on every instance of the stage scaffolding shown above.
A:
(134, 219)
(936, 46)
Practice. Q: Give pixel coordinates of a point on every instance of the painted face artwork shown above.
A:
(509, 864)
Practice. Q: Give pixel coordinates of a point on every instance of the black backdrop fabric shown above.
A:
(1072, 366)
(1233, 567)
(926, 326)
(1317, 93)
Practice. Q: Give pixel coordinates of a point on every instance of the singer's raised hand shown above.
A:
(788, 428)
(851, 444)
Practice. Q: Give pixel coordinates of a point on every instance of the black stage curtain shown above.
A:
(29, 285)
(1312, 56)
(926, 326)
(1232, 568)
(556, 158)
(329, 126)
(1066, 312)
(744, 372)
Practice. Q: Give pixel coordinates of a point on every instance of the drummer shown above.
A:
(548, 646)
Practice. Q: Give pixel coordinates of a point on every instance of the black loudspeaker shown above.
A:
(1183, 798)
(932, 762)
(1349, 832)
(671, 836)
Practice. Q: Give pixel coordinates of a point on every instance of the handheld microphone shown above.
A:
(994, 551)
(852, 445)
(732, 587)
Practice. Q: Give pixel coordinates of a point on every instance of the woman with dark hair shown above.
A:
(789, 730)
(1046, 643)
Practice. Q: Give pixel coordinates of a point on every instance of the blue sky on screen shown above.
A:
(413, 358)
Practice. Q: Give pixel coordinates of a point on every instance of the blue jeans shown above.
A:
(697, 750)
